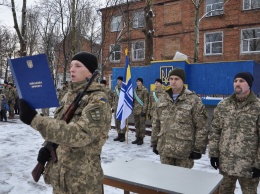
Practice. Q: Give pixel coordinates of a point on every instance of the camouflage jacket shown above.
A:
(116, 97)
(80, 141)
(62, 93)
(11, 94)
(143, 95)
(235, 135)
(179, 127)
(109, 94)
(152, 102)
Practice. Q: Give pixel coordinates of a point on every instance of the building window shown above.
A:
(250, 40)
(214, 7)
(213, 43)
(138, 50)
(115, 50)
(138, 19)
(116, 23)
(251, 4)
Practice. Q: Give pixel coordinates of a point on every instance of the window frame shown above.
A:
(113, 53)
(135, 52)
(115, 24)
(249, 40)
(212, 43)
(213, 11)
(250, 5)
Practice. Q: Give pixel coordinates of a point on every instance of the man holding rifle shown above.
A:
(77, 138)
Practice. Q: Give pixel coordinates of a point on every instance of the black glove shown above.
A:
(214, 161)
(112, 110)
(255, 173)
(9, 101)
(26, 112)
(195, 155)
(149, 116)
(44, 155)
(155, 149)
(143, 114)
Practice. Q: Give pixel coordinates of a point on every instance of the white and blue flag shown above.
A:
(125, 102)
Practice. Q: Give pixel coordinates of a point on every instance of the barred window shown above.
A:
(138, 19)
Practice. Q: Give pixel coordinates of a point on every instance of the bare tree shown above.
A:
(21, 32)
(149, 32)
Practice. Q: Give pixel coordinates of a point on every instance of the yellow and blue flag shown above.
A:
(125, 102)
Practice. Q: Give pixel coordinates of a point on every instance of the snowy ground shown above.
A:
(19, 148)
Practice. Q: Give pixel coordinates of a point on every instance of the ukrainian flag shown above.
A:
(125, 102)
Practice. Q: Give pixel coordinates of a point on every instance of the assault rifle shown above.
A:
(67, 116)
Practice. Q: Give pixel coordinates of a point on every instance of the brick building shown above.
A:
(228, 31)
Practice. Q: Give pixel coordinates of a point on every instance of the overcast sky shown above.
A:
(6, 17)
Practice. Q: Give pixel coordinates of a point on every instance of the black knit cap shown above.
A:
(87, 59)
(120, 78)
(246, 76)
(140, 79)
(6, 82)
(11, 84)
(103, 81)
(158, 80)
(178, 72)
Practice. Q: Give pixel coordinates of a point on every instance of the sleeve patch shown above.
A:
(95, 114)
(103, 100)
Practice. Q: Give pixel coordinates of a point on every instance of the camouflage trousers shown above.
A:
(139, 126)
(185, 163)
(228, 184)
(118, 123)
(11, 109)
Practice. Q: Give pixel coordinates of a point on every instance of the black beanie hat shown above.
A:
(178, 72)
(120, 78)
(87, 59)
(11, 84)
(140, 79)
(5, 82)
(158, 80)
(103, 81)
(246, 76)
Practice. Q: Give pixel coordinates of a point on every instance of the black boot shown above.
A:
(135, 141)
(140, 141)
(118, 137)
(122, 137)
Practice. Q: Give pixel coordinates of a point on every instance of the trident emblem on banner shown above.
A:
(164, 74)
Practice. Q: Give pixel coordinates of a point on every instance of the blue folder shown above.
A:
(33, 81)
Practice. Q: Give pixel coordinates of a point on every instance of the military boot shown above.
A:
(135, 141)
(122, 137)
(118, 137)
(140, 141)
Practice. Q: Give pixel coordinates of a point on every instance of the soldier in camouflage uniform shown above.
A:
(154, 96)
(11, 95)
(78, 170)
(234, 137)
(140, 110)
(179, 127)
(116, 94)
(5, 89)
(108, 91)
(63, 90)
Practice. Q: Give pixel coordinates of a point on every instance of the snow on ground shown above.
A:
(19, 149)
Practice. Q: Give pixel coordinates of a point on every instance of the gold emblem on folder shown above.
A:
(29, 63)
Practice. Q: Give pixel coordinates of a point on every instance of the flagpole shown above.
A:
(126, 131)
